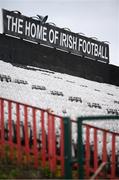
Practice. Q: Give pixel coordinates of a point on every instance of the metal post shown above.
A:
(51, 143)
(87, 152)
(67, 149)
(113, 158)
(80, 150)
(95, 150)
(26, 133)
(35, 149)
(43, 137)
(18, 133)
(62, 146)
(10, 128)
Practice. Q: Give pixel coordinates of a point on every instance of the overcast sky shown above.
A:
(94, 18)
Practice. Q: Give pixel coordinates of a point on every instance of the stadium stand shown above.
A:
(76, 96)
(65, 95)
(64, 99)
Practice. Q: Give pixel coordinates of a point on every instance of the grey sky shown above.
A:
(95, 18)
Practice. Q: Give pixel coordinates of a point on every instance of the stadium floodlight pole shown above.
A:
(17, 12)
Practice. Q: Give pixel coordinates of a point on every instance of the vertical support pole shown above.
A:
(87, 151)
(51, 143)
(26, 133)
(35, 139)
(104, 152)
(104, 149)
(62, 146)
(18, 133)
(80, 150)
(67, 148)
(10, 128)
(95, 150)
(113, 161)
(43, 138)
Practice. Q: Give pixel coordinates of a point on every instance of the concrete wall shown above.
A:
(22, 52)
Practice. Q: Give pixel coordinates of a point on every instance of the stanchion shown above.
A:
(67, 149)
(80, 150)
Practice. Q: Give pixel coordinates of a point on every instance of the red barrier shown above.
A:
(35, 136)
(95, 150)
(62, 146)
(18, 133)
(10, 129)
(43, 150)
(87, 152)
(92, 156)
(51, 144)
(31, 135)
(113, 157)
(98, 158)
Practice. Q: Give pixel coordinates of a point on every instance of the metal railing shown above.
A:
(30, 133)
(87, 158)
(36, 136)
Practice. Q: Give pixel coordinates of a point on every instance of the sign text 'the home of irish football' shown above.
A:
(27, 28)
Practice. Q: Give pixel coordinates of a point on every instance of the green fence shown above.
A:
(80, 159)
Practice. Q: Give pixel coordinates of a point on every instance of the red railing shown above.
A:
(99, 146)
(107, 154)
(31, 135)
(37, 137)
